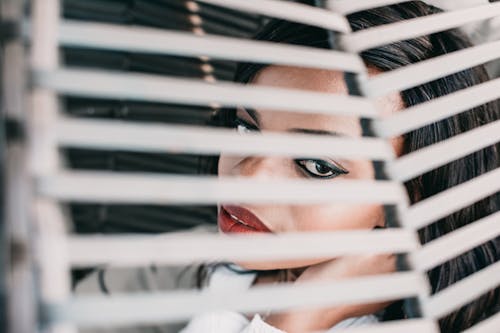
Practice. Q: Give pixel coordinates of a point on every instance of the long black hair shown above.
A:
(400, 54)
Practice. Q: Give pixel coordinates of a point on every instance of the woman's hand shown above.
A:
(335, 269)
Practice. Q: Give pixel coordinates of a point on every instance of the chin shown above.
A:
(282, 264)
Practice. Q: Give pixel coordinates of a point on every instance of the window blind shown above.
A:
(43, 183)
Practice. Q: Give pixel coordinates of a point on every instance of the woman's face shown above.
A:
(298, 218)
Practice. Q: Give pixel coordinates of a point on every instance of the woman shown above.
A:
(286, 218)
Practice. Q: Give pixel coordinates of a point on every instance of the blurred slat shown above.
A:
(348, 6)
(440, 205)
(437, 109)
(157, 88)
(181, 305)
(114, 37)
(463, 292)
(187, 248)
(202, 140)
(457, 242)
(432, 69)
(441, 153)
(169, 189)
(386, 34)
(289, 11)
(489, 325)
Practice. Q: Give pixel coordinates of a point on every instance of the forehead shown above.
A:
(302, 78)
(311, 79)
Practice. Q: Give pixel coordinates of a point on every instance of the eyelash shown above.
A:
(335, 170)
(238, 121)
(301, 163)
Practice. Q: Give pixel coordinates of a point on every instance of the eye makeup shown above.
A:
(242, 126)
(322, 169)
(251, 112)
(314, 168)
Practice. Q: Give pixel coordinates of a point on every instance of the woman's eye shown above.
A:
(320, 168)
(243, 127)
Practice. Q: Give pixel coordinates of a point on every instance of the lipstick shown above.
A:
(236, 219)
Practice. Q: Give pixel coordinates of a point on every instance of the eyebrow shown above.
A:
(252, 113)
(256, 117)
(315, 131)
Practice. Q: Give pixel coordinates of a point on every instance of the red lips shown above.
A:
(236, 219)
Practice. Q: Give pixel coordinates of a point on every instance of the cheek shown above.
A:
(226, 164)
(326, 218)
(337, 217)
(359, 169)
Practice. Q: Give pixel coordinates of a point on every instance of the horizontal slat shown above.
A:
(139, 39)
(451, 200)
(289, 11)
(163, 189)
(102, 84)
(407, 29)
(348, 6)
(462, 292)
(456, 242)
(426, 113)
(489, 325)
(186, 248)
(439, 154)
(432, 69)
(213, 141)
(396, 326)
(181, 305)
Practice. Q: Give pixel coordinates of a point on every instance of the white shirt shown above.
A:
(233, 322)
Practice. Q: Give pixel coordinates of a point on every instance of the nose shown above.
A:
(264, 167)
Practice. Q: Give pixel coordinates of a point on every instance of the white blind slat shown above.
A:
(181, 305)
(139, 39)
(163, 189)
(290, 11)
(102, 84)
(386, 34)
(451, 200)
(212, 141)
(432, 69)
(463, 291)
(457, 242)
(439, 154)
(489, 325)
(186, 248)
(437, 109)
(348, 6)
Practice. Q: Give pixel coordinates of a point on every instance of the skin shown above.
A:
(303, 218)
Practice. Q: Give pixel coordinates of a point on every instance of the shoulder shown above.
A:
(110, 280)
(354, 321)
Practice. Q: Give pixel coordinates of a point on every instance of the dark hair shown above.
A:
(393, 56)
